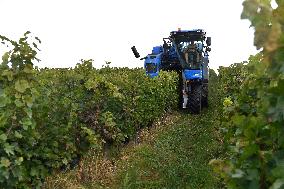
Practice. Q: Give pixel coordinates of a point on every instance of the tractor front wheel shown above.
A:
(195, 99)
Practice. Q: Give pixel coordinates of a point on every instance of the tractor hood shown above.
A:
(193, 74)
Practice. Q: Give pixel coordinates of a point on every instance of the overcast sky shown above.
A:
(105, 30)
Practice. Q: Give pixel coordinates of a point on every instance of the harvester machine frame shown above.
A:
(186, 52)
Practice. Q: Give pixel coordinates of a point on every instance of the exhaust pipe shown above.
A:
(135, 52)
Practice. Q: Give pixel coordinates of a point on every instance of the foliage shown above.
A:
(254, 115)
(174, 153)
(18, 134)
(48, 117)
(231, 79)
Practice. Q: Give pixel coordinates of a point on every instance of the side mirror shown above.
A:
(135, 52)
(208, 41)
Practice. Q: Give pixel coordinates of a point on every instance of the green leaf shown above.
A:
(28, 68)
(26, 122)
(35, 46)
(27, 33)
(9, 149)
(5, 58)
(19, 103)
(238, 174)
(29, 101)
(19, 160)
(65, 161)
(3, 137)
(238, 120)
(277, 184)
(18, 95)
(279, 170)
(8, 74)
(252, 174)
(21, 85)
(38, 39)
(18, 135)
(3, 101)
(29, 112)
(5, 162)
(34, 171)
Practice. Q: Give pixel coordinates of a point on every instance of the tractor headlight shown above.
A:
(197, 75)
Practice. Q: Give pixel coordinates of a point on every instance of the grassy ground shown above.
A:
(177, 158)
(173, 154)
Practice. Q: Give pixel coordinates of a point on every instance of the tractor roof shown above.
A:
(188, 35)
(194, 30)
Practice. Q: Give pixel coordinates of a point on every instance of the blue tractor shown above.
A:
(186, 52)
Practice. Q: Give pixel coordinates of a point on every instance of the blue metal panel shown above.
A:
(157, 50)
(173, 53)
(154, 59)
(193, 74)
(152, 64)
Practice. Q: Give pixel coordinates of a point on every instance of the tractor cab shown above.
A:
(191, 50)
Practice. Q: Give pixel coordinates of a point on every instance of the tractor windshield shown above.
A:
(189, 47)
(192, 54)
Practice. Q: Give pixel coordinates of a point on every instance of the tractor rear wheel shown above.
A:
(195, 98)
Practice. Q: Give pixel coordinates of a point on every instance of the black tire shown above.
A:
(194, 99)
(204, 97)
